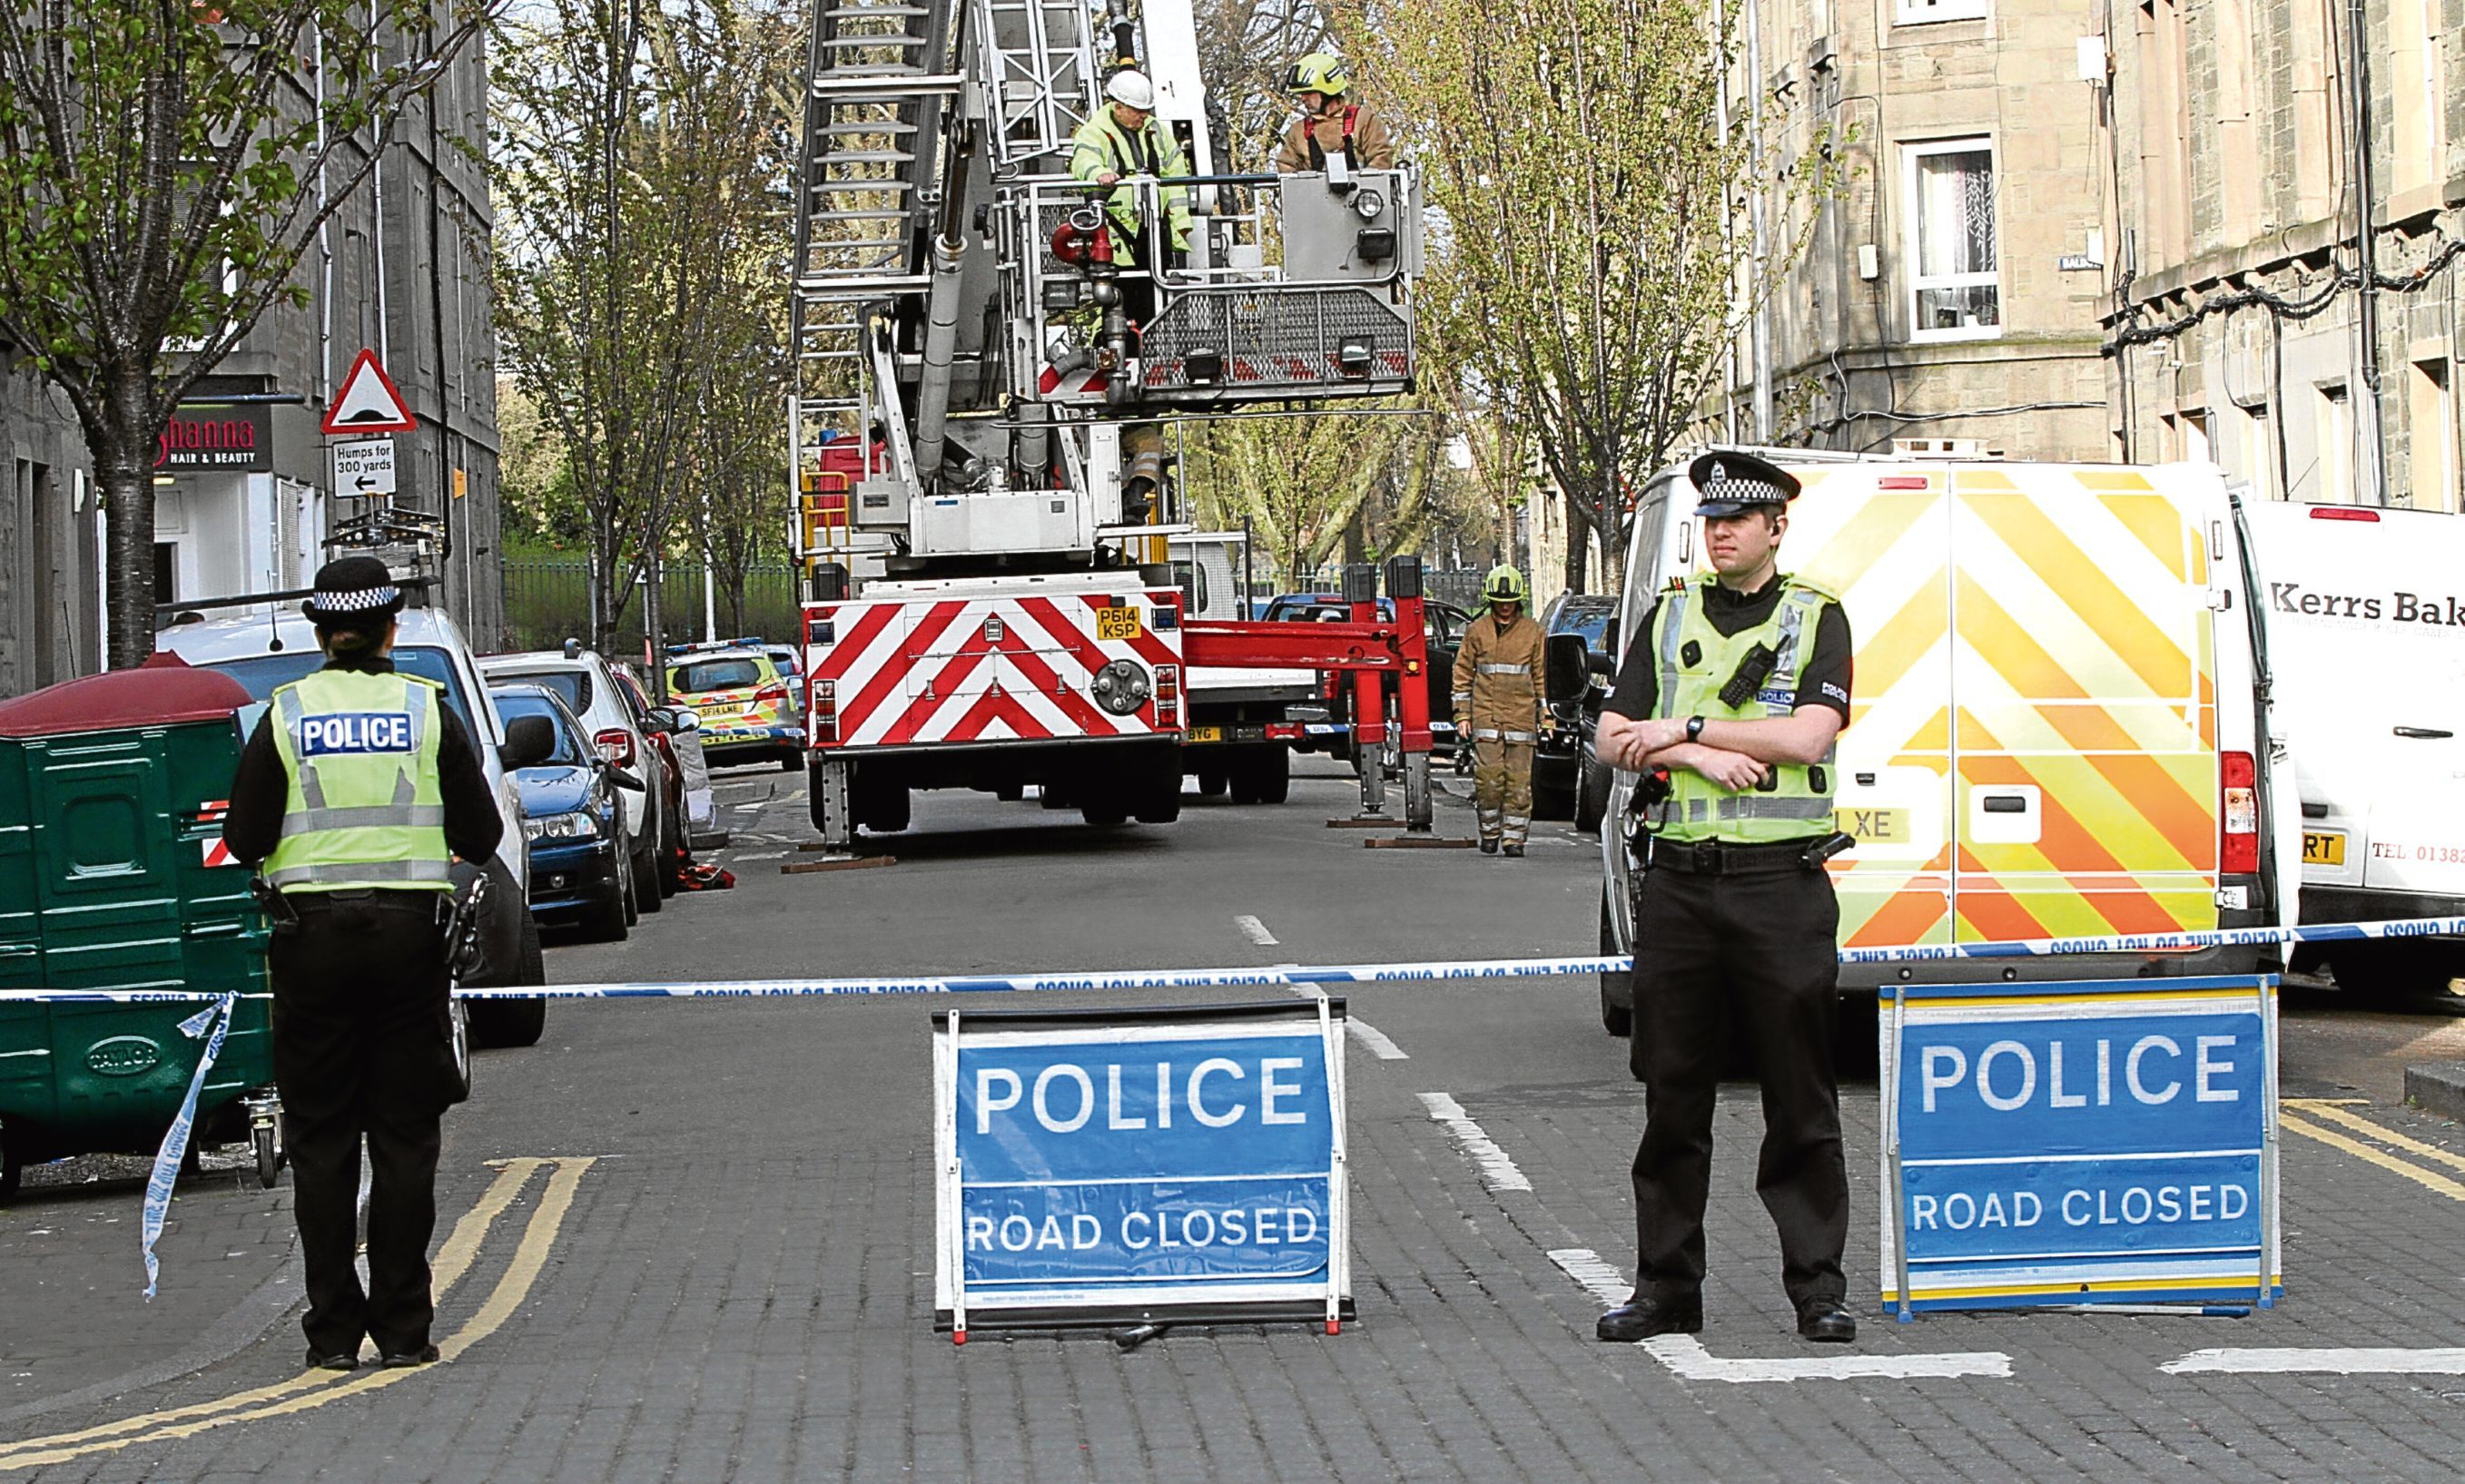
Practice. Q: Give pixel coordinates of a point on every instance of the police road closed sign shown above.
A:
(1104, 1167)
(2079, 1143)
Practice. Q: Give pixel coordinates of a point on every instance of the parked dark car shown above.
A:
(1326, 725)
(580, 869)
(1565, 777)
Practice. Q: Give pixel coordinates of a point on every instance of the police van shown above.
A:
(2057, 730)
(2365, 612)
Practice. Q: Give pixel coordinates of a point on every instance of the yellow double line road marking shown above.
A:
(312, 1389)
(2296, 1115)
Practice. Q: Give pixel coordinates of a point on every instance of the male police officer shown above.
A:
(354, 795)
(1498, 704)
(1738, 686)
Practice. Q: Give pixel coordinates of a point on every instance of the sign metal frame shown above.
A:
(2089, 1276)
(959, 1307)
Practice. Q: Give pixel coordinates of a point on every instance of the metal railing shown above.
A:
(547, 601)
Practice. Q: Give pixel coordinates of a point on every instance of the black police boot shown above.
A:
(1641, 1317)
(1488, 845)
(393, 1359)
(1826, 1321)
(339, 1360)
(1514, 851)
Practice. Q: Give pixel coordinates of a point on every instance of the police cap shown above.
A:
(352, 589)
(1734, 483)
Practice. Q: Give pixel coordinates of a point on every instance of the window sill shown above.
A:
(1941, 336)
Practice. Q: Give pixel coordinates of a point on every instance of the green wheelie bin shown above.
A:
(113, 876)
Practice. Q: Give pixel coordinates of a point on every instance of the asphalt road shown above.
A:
(691, 1240)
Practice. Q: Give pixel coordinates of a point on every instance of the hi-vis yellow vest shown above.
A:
(1795, 802)
(366, 806)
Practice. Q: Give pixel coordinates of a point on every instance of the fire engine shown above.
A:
(988, 368)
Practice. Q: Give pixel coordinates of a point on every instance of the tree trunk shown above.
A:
(127, 473)
(1579, 540)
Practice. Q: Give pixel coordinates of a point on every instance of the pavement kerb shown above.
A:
(2437, 1087)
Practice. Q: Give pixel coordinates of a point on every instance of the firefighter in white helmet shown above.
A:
(1498, 670)
(1122, 142)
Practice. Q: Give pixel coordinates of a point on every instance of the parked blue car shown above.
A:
(580, 870)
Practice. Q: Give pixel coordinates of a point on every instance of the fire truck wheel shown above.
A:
(1263, 775)
(1107, 812)
(1011, 793)
(1214, 781)
(883, 808)
(1158, 801)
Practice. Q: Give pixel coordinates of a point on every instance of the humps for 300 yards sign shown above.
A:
(1153, 1166)
(2079, 1143)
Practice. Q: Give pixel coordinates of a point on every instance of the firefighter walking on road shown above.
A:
(354, 795)
(1498, 672)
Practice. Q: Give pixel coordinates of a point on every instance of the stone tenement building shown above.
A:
(2238, 305)
(1950, 292)
(243, 487)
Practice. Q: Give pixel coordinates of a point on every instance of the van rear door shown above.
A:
(2367, 628)
(1880, 536)
(2085, 727)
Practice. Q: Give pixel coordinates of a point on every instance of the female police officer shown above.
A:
(357, 789)
(1738, 684)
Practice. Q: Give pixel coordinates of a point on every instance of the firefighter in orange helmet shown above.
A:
(1498, 672)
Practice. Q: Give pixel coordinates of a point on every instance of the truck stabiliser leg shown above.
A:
(832, 814)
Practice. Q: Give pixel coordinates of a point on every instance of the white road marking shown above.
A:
(762, 855)
(1376, 1040)
(1380, 1045)
(2336, 1363)
(1255, 930)
(1686, 1358)
(1599, 1278)
(1496, 1170)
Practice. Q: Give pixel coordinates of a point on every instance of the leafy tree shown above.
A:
(162, 167)
(640, 157)
(1591, 264)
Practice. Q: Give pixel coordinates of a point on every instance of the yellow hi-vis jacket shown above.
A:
(366, 804)
(1499, 681)
(1102, 144)
(1795, 801)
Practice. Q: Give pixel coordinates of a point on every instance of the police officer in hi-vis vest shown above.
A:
(354, 795)
(1735, 686)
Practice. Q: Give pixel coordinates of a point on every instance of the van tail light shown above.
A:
(1167, 695)
(826, 712)
(616, 745)
(2240, 809)
(776, 692)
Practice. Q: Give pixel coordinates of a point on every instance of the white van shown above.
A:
(2056, 730)
(2365, 612)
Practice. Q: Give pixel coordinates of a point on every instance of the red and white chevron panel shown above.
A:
(911, 672)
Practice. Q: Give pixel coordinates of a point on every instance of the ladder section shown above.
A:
(872, 110)
(1037, 59)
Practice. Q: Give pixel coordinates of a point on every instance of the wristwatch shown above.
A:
(1693, 728)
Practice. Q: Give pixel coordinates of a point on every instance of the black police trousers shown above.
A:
(363, 1046)
(1756, 950)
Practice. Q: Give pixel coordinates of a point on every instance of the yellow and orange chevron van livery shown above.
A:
(2054, 732)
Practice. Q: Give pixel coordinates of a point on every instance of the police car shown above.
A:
(263, 653)
(747, 707)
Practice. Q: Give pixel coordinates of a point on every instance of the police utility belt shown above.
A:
(1721, 858)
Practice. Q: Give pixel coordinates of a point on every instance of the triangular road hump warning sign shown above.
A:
(368, 402)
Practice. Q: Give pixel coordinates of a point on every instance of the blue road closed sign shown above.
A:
(1122, 1166)
(2079, 1143)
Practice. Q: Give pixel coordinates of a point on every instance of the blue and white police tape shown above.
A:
(1327, 974)
(175, 1144)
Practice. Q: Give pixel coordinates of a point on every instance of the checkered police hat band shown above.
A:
(365, 600)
